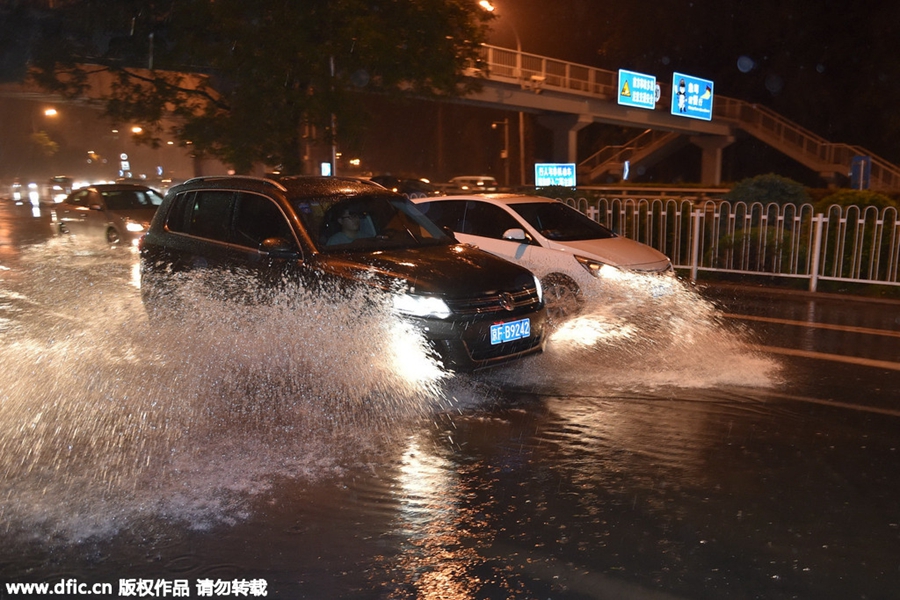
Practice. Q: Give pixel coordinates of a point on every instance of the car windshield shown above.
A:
(131, 199)
(561, 223)
(366, 223)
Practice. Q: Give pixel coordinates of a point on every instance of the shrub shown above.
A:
(859, 198)
(767, 189)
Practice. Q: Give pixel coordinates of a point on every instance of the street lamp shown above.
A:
(486, 5)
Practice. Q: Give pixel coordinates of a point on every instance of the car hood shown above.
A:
(619, 252)
(452, 271)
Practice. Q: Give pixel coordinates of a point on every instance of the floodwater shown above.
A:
(661, 447)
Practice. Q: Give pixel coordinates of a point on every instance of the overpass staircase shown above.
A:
(828, 159)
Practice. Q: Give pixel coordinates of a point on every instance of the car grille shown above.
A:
(495, 303)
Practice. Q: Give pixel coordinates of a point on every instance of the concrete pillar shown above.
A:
(711, 159)
(565, 130)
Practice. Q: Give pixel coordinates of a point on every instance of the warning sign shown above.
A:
(637, 89)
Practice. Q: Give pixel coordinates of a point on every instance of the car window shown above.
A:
(79, 198)
(208, 214)
(486, 220)
(258, 218)
(449, 213)
(130, 199)
(556, 221)
(177, 218)
(384, 222)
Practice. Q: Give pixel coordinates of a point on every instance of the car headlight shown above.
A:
(539, 288)
(134, 226)
(595, 267)
(421, 306)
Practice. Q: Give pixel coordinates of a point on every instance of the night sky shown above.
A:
(830, 66)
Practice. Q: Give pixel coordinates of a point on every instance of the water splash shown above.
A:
(639, 330)
(107, 417)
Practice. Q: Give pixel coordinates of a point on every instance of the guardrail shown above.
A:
(854, 244)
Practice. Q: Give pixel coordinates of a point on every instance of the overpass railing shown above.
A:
(854, 244)
(538, 72)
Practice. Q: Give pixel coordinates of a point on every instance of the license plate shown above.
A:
(513, 330)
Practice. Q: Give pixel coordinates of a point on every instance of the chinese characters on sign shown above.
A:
(637, 89)
(692, 97)
(551, 174)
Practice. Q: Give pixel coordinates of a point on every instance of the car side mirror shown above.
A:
(515, 235)
(278, 246)
(449, 232)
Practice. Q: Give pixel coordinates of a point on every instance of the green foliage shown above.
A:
(767, 189)
(254, 81)
(859, 198)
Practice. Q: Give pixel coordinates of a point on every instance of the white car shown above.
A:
(567, 250)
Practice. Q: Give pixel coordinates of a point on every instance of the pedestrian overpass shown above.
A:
(568, 96)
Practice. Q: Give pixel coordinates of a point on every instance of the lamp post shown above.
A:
(505, 155)
(486, 5)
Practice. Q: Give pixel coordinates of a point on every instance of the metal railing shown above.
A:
(855, 244)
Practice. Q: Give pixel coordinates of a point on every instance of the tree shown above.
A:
(251, 81)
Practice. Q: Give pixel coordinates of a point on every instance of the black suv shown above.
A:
(476, 310)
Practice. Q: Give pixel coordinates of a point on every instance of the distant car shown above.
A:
(118, 213)
(475, 309)
(412, 188)
(567, 250)
(58, 188)
(473, 184)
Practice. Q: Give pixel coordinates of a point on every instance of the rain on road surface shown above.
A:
(704, 443)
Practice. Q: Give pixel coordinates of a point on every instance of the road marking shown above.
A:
(853, 360)
(865, 330)
(835, 403)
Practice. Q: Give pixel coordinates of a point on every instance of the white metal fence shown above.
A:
(859, 244)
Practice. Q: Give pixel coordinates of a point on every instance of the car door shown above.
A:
(484, 224)
(73, 214)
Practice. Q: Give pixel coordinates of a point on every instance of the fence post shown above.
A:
(695, 245)
(819, 220)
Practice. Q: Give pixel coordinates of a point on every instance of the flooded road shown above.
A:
(678, 443)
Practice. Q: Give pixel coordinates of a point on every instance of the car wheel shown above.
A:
(112, 236)
(562, 297)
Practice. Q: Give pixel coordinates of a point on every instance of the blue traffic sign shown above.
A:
(692, 97)
(553, 174)
(637, 89)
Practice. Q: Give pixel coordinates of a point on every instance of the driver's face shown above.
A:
(349, 220)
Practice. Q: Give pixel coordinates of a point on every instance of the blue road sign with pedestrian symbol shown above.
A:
(692, 97)
(637, 89)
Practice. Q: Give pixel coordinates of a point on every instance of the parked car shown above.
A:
(567, 250)
(473, 184)
(118, 213)
(476, 309)
(412, 188)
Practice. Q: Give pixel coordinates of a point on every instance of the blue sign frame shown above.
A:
(637, 89)
(554, 174)
(692, 97)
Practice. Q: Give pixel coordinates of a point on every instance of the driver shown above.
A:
(349, 220)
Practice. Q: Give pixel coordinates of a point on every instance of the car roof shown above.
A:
(294, 186)
(114, 187)
(493, 198)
